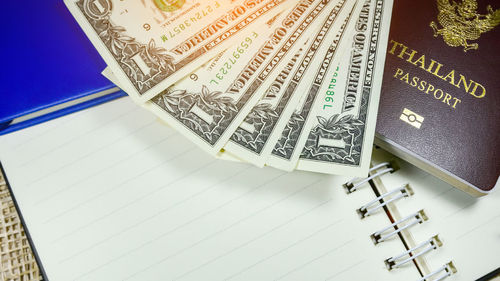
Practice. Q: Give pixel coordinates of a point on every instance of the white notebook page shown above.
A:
(110, 193)
(468, 227)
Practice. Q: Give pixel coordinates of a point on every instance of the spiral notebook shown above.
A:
(110, 193)
(446, 233)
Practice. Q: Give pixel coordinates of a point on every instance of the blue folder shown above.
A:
(47, 61)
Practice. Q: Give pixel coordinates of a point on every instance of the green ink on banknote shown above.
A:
(331, 90)
(240, 50)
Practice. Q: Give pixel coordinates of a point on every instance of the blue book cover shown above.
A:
(50, 68)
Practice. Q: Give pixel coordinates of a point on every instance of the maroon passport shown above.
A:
(440, 101)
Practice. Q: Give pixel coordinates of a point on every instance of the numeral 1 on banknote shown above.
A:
(209, 109)
(151, 44)
(341, 132)
(256, 136)
(288, 147)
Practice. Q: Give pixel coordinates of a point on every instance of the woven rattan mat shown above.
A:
(17, 259)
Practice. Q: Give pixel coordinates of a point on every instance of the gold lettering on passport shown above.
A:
(460, 22)
(436, 69)
(427, 88)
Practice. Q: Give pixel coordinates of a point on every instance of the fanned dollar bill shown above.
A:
(287, 149)
(207, 106)
(254, 139)
(108, 73)
(341, 130)
(150, 44)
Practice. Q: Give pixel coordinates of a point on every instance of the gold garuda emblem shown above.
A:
(169, 5)
(461, 23)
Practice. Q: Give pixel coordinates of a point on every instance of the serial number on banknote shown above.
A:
(187, 23)
(331, 90)
(228, 64)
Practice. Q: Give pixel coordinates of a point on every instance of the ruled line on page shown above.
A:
(137, 200)
(100, 214)
(345, 270)
(330, 251)
(70, 140)
(201, 216)
(37, 131)
(115, 187)
(53, 126)
(461, 209)
(469, 231)
(84, 178)
(71, 185)
(334, 249)
(181, 226)
(239, 222)
(284, 250)
(36, 181)
(277, 227)
(123, 231)
(315, 207)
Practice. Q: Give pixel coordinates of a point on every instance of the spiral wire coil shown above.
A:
(399, 225)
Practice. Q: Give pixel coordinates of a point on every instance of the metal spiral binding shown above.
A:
(418, 217)
(413, 253)
(447, 270)
(353, 184)
(400, 225)
(404, 191)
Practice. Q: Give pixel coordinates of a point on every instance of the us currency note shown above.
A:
(150, 44)
(254, 139)
(341, 131)
(287, 148)
(221, 155)
(208, 106)
(108, 73)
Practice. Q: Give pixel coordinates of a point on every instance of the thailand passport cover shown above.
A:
(440, 101)
(49, 67)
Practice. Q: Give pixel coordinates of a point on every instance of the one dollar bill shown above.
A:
(208, 105)
(341, 131)
(287, 149)
(150, 44)
(254, 139)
